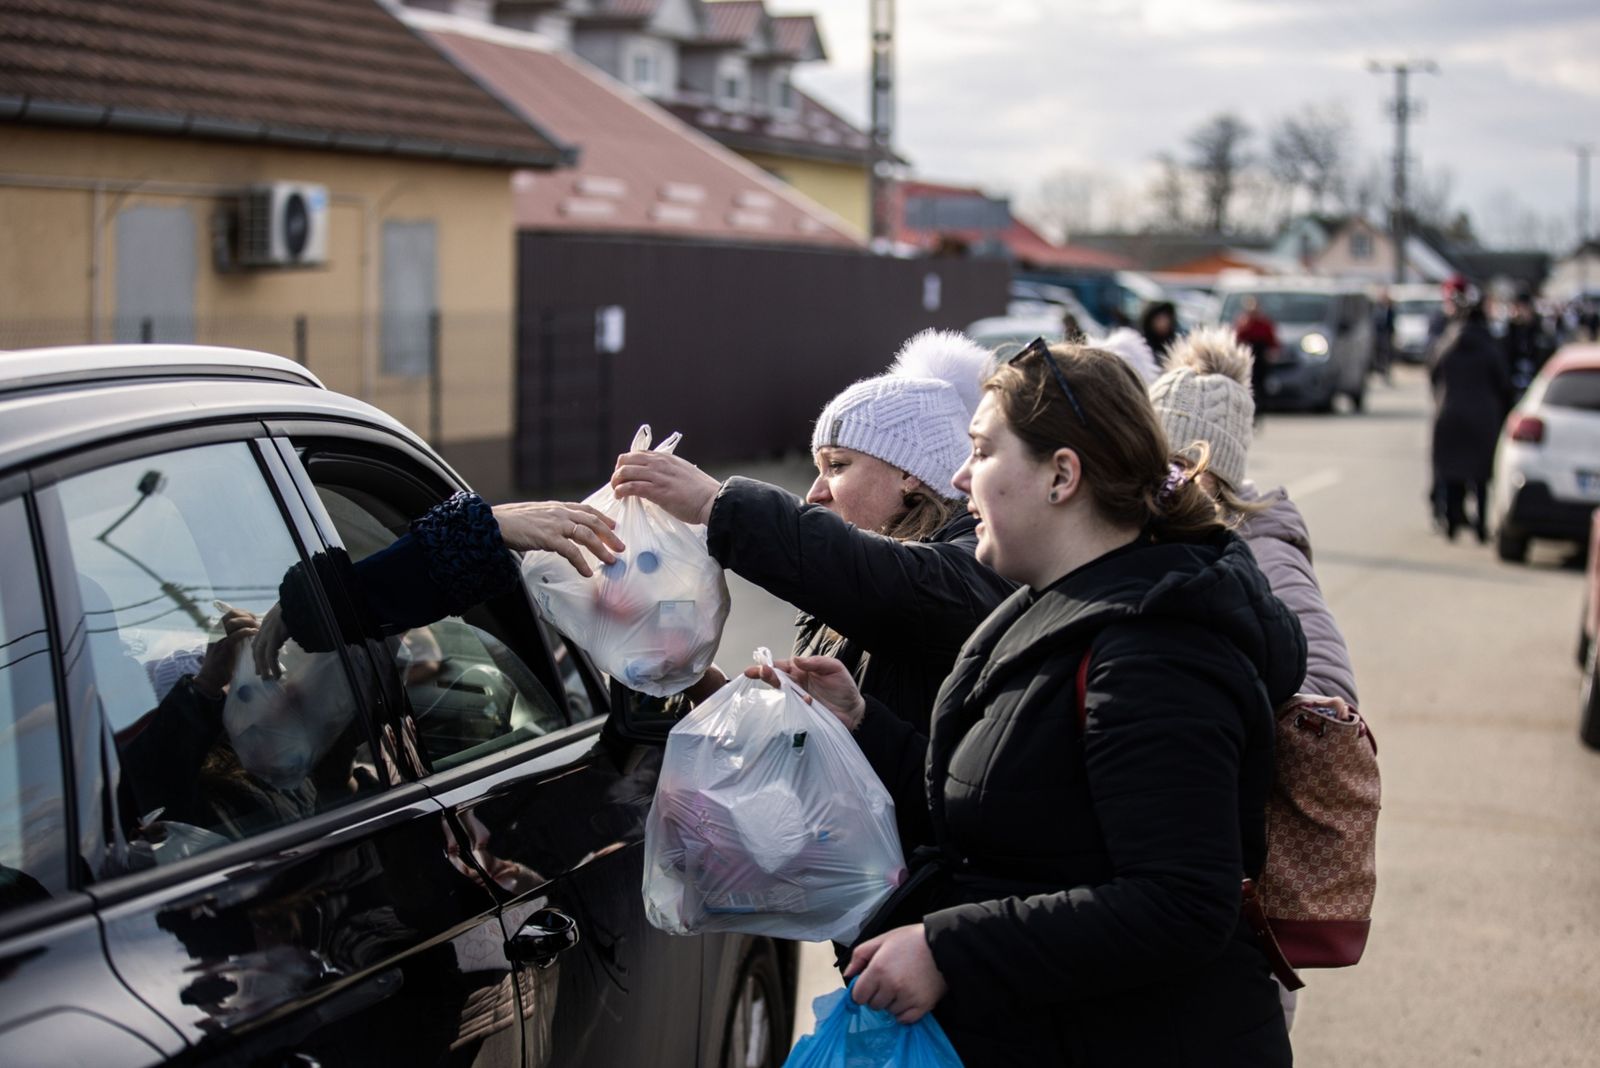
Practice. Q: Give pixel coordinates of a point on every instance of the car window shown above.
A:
(471, 693)
(177, 559)
(1281, 307)
(33, 832)
(1574, 389)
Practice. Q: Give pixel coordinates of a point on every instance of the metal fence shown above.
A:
(737, 347)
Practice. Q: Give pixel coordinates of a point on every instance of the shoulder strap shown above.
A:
(1083, 691)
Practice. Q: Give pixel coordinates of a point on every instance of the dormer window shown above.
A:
(731, 90)
(783, 93)
(643, 73)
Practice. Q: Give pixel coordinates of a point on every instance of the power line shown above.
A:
(1583, 152)
(1403, 108)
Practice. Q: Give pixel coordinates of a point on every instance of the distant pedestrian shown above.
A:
(1257, 332)
(1383, 337)
(1527, 342)
(1472, 394)
(1159, 325)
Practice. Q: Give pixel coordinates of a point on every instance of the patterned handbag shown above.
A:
(1312, 907)
(1317, 887)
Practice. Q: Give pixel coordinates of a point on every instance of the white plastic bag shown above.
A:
(281, 728)
(653, 619)
(767, 820)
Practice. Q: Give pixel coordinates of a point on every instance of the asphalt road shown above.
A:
(1485, 946)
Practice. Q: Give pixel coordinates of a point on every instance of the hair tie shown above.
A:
(1177, 476)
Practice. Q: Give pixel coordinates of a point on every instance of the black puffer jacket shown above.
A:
(1084, 903)
(896, 613)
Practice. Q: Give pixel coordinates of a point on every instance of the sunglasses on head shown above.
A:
(1038, 347)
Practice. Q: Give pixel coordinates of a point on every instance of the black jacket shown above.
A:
(1472, 394)
(896, 613)
(1084, 903)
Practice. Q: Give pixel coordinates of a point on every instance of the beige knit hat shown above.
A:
(1205, 396)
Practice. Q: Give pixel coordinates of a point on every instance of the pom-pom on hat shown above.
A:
(1205, 396)
(915, 416)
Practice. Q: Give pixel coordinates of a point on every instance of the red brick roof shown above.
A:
(640, 171)
(1021, 241)
(340, 74)
(793, 33)
(628, 8)
(733, 21)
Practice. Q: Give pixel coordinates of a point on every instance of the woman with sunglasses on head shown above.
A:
(880, 556)
(1099, 759)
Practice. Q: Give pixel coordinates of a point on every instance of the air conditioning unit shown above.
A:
(282, 224)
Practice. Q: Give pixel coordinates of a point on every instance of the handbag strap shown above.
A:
(1250, 904)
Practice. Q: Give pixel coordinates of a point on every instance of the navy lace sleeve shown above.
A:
(464, 555)
(452, 559)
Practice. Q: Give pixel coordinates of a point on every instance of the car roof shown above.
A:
(1574, 358)
(1290, 285)
(54, 401)
(42, 368)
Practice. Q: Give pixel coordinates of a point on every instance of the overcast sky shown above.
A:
(1001, 92)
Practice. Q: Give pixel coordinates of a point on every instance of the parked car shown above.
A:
(421, 849)
(1417, 308)
(1547, 465)
(1324, 340)
(1588, 654)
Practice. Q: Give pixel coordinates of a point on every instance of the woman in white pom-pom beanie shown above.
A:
(880, 555)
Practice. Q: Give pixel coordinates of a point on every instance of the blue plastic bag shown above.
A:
(855, 1036)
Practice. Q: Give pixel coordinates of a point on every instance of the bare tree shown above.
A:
(1065, 200)
(1218, 156)
(1310, 151)
(1169, 195)
(1429, 198)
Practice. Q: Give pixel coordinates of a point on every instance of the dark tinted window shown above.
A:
(1282, 307)
(471, 691)
(1574, 389)
(177, 559)
(33, 832)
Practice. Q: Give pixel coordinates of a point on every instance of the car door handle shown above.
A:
(544, 936)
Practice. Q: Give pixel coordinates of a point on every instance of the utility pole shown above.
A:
(1403, 109)
(880, 156)
(1584, 152)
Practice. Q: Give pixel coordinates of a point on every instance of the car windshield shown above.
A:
(1281, 307)
(1574, 389)
(1416, 307)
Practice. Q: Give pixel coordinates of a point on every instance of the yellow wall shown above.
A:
(48, 258)
(842, 188)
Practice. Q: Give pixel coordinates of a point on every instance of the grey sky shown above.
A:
(1001, 92)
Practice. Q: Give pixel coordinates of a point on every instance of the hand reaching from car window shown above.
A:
(680, 488)
(823, 678)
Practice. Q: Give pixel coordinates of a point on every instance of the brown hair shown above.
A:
(926, 513)
(1123, 450)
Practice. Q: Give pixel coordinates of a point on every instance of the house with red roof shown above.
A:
(725, 67)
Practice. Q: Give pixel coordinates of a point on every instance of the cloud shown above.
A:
(1001, 91)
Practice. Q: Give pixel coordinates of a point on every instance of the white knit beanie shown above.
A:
(1205, 396)
(915, 416)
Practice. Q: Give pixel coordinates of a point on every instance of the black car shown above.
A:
(416, 850)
